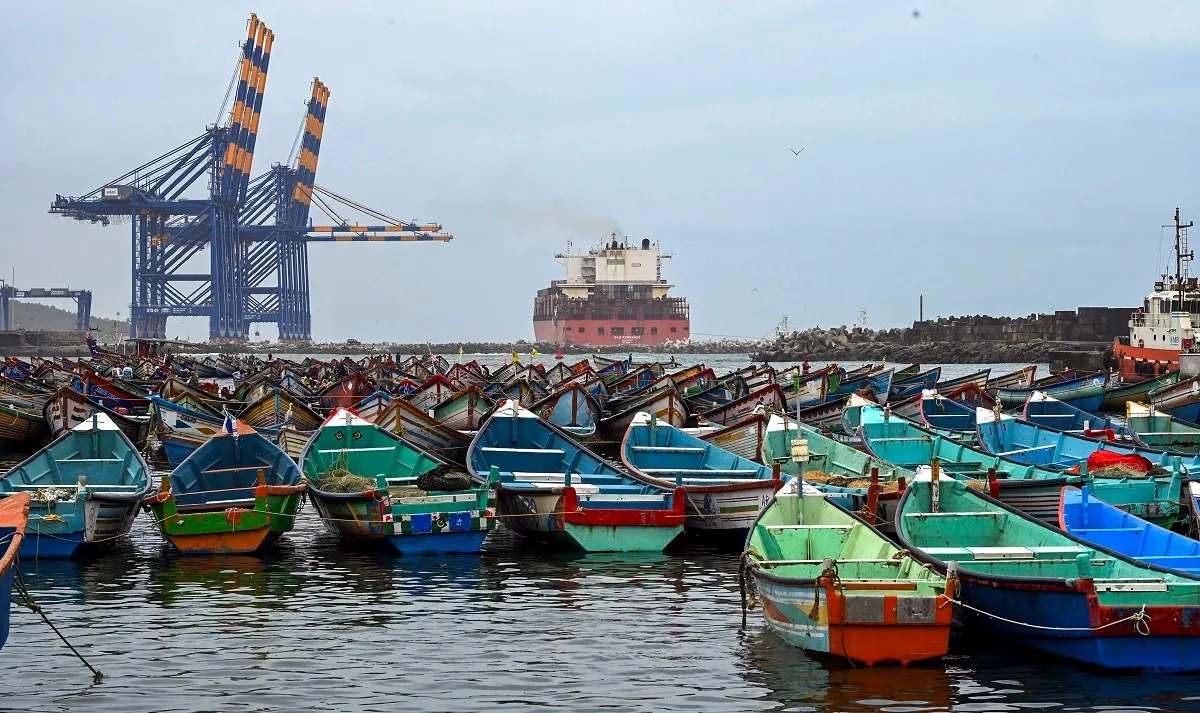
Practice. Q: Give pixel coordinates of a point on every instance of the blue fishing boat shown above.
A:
(555, 491)
(879, 383)
(1022, 442)
(233, 495)
(1042, 409)
(915, 384)
(179, 429)
(1085, 392)
(1181, 399)
(946, 416)
(1029, 488)
(86, 486)
(572, 409)
(1105, 526)
(1044, 588)
(14, 514)
(724, 491)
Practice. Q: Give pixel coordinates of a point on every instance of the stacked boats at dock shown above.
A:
(875, 505)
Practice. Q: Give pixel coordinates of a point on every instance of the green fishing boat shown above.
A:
(831, 583)
(367, 484)
(1151, 428)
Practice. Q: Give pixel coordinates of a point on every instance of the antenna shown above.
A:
(1183, 256)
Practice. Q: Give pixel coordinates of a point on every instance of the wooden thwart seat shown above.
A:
(669, 449)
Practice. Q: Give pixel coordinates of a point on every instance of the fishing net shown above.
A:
(444, 478)
(49, 495)
(843, 481)
(340, 480)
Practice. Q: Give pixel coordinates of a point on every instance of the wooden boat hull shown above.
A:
(21, 430)
(68, 408)
(361, 518)
(905, 631)
(1102, 525)
(1181, 400)
(555, 518)
(1062, 596)
(1116, 397)
(230, 531)
(464, 410)
(1085, 393)
(415, 426)
(831, 583)
(743, 439)
(666, 406)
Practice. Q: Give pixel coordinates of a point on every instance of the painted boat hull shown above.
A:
(550, 518)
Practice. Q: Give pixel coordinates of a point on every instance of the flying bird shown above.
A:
(795, 151)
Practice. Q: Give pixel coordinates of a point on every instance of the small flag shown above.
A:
(228, 425)
(516, 356)
(534, 354)
(460, 353)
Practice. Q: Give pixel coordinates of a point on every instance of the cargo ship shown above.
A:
(614, 294)
(1167, 321)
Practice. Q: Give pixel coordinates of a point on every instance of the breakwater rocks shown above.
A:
(845, 344)
(355, 347)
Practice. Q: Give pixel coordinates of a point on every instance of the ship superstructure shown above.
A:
(612, 294)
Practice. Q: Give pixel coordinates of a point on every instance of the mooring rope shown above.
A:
(28, 602)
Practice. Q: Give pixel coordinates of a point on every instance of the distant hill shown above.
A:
(31, 315)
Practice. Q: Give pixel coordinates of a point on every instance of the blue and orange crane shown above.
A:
(171, 226)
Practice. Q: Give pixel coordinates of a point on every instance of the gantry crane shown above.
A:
(171, 226)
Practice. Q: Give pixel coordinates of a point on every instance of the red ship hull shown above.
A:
(600, 332)
(1137, 363)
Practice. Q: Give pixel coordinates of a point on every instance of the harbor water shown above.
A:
(315, 625)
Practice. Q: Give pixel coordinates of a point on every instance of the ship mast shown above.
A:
(1182, 255)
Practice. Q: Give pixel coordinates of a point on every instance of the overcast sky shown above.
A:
(999, 157)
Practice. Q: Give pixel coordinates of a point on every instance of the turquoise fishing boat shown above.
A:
(555, 491)
(1026, 487)
(572, 409)
(367, 484)
(86, 486)
(1105, 526)
(1041, 587)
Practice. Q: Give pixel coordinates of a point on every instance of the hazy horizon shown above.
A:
(1000, 159)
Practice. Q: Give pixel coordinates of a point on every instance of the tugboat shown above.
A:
(1166, 323)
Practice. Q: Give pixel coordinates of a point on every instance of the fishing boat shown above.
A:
(180, 430)
(1041, 587)
(1117, 395)
(403, 419)
(66, 408)
(880, 384)
(556, 491)
(830, 416)
(431, 393)
(21, 430)
(1026, 442)
(292, 440)
(1181, 399)
(1103, 525)
(667, 406)
(14, 513)
(373, 405)
(277, 407)
(367, 484)
(1042, 409)
(946, 416)
(724, 491)
(1160, 431)
(915, 384)
(464, 410)
(1085, 393)
(744, 438)
(1029, 488)
(1022, 378)
(572, 409)
(769, 397)
(831, 583)
(235, 494)
(980, 379)
(87, 487)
